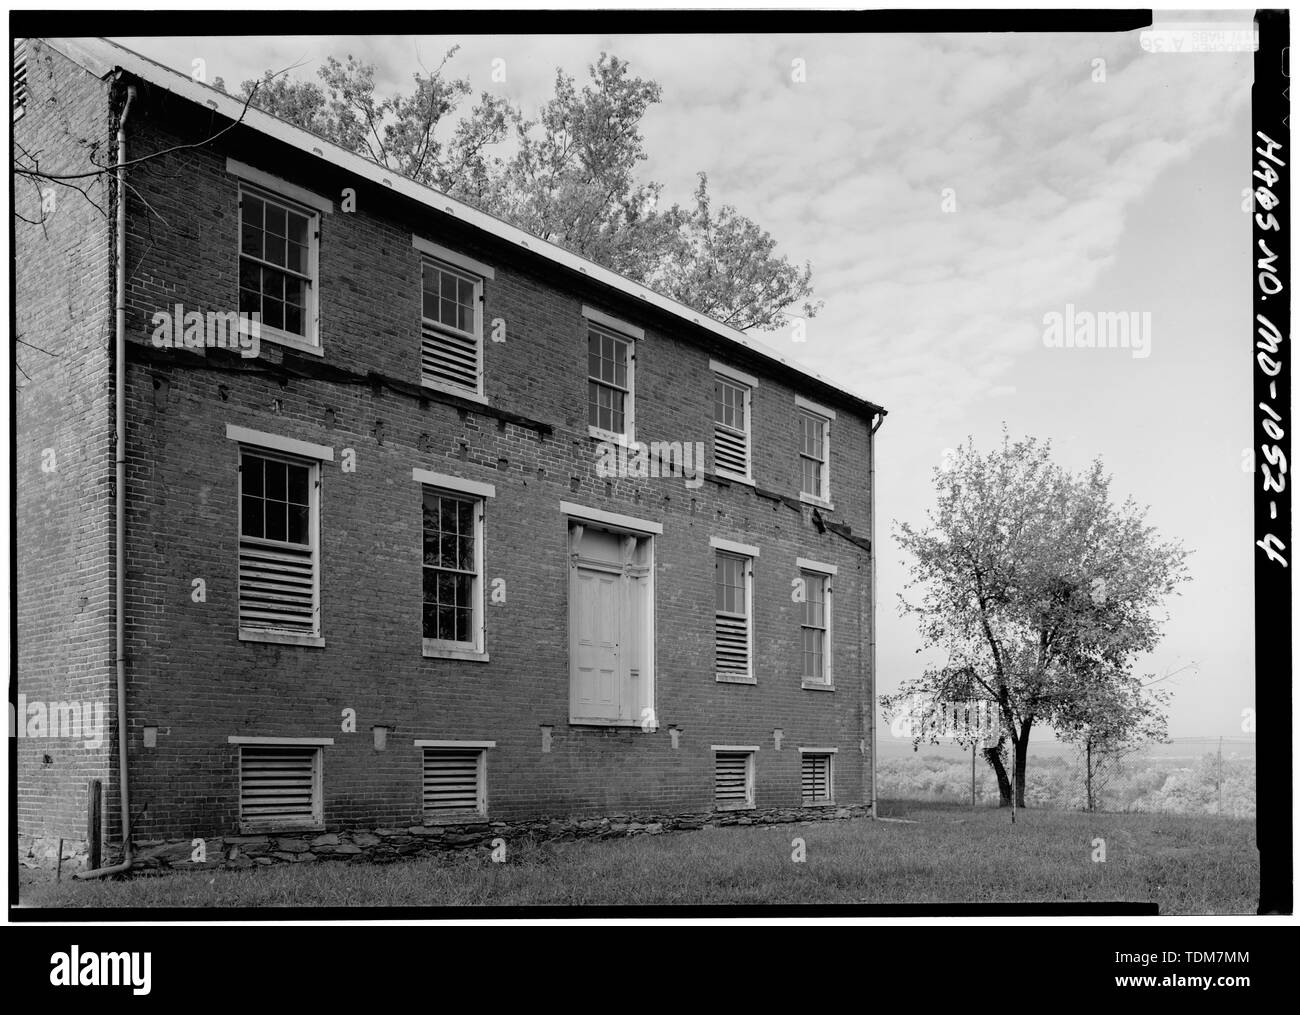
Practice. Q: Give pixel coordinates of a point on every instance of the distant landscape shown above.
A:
(1158, 780)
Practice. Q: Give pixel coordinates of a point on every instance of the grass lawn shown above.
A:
(1187, 865)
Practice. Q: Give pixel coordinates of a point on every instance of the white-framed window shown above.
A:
(732, 394)
(452, 512)
(20, 78)
(451, 328)
(733, 777)
(279, 537)
(814, 456)
(611, 618)
(817, 624)
(611, 366)
(733, 616)
(454, 779)
(817, 775)
(280, 784)
(279, 273)
(815, 633)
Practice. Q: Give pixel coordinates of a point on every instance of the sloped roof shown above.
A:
(102, 57)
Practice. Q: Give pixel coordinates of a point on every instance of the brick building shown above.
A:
(436, 549)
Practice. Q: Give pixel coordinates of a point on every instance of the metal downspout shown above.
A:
(119, 564)
(875, 681)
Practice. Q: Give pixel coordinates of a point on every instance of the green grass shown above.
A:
(1187, 865)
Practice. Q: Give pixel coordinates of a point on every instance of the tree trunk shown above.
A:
(1022, 758)
(993, 755)
(1088, 774)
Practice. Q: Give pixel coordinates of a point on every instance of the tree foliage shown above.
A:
(1042, 592)
(1111, 716)
(567, 175)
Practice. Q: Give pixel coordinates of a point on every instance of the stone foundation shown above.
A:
(43, 853)
(384, 845)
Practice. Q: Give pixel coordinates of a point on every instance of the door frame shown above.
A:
(578, 520)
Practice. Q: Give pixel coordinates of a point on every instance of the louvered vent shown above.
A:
(448, 358)
(731, 779)
(731, 644)
(279, 786)
(452, 781)
(20, 77)
(277, 587)
(816, 778)
(730, 450)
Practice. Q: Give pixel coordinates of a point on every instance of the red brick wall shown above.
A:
(64, 409)
(193, 678)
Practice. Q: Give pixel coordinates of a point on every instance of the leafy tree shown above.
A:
(1112, 715)
(724, 265)
(1040, 590)
(568, 175)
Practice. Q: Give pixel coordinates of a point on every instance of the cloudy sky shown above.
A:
(949, 191)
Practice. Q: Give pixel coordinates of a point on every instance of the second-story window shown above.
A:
(451, 340)
(452, 580)
(452, 573)
(279, 537)
(279, 582)
(609, 382)
(277, 266)
(815, 627)
(733, 629)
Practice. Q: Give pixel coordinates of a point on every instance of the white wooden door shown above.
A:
(598, 607)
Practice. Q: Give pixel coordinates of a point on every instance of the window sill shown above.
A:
(609, 435)
(451, 389)
(816, 501)
(281, 638)
(817, 685)
(732, 477)
(731, 678)
(733, 807)
(629, 724)
(818, 803)
(277, 337)
(435, 650)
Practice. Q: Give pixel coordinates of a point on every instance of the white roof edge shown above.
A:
(101, 56)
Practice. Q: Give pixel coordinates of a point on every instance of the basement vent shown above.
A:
(816, 778)
(20, 77)
(733, 782)
(454, 781)
(279, 787)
